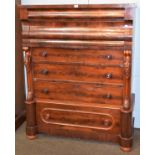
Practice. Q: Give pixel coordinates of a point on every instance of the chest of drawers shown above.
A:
(78, 61)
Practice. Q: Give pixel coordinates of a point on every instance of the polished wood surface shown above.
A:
(79, 91)
(105, 57)
(78, 72)
(78, 61)
(75, 116)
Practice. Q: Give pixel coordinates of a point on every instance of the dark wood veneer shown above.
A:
(104, 57)
(73, 91)
(78, 61)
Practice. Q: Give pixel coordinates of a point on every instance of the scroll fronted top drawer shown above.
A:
(77, 11)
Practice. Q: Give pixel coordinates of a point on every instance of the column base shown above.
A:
(31, 132)
(125, 149)
(32, 137)
(126, 144)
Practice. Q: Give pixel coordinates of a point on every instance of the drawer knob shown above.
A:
(107, 122)
(109, 57)
(47, 116)
(109, 96)
(109, 76)
(45, 91)
(44, 71)
(44, 54)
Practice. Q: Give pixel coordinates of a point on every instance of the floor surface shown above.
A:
(51, 145)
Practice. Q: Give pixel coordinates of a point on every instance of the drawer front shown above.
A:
(82, 92)
(109, 57)
(77, 30)
(49, 114)
(78, 72)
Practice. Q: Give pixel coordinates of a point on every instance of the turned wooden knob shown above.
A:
(44, 71)
(45, 91)
(109, 57)
(47, 116)
(109, 75)
(108, 96)
(44, 54)
(107, 122)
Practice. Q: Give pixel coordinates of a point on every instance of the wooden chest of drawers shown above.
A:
(78, 61)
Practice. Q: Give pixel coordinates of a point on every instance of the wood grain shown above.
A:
(64, 30)
(78, 72)
(79, 61)
(72, 117)
(105, 57)
(85, 92)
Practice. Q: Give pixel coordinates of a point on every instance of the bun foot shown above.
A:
(125, 149)
(31, 137)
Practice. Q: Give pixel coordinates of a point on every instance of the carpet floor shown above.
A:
(51, 145)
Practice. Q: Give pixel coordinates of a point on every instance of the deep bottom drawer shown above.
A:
(82, 122)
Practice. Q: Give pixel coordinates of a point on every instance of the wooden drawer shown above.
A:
(79, 30)
(110, 57)
(83, 92)
(67, 116)
(78, 72)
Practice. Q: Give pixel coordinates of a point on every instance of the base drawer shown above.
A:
(70, 117)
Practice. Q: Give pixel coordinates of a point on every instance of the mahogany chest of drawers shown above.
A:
(78, 61)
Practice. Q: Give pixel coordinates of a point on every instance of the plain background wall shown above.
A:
(136, 48)
(54, 1)
(77, 1)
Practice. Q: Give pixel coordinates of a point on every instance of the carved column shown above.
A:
(126, 110)
(31, 128)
